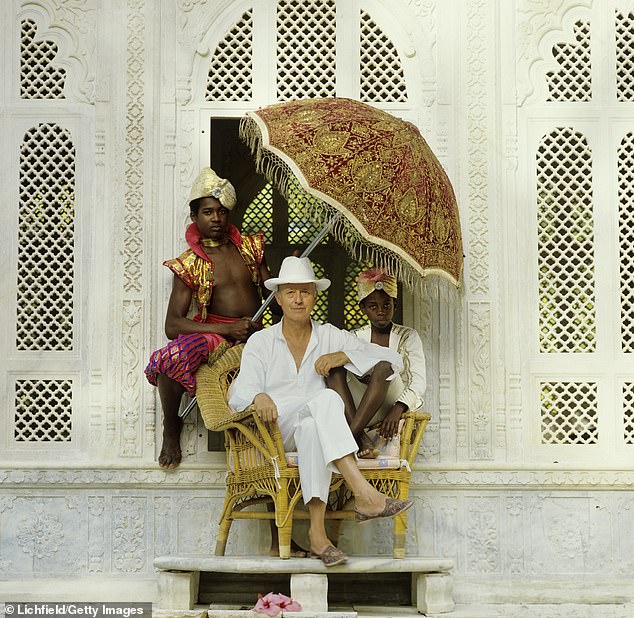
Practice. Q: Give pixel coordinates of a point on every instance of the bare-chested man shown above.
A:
(222, 272)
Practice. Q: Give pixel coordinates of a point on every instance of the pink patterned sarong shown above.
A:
(181, 357)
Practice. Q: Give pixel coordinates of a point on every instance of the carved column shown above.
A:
(480, 415)
(132, 307)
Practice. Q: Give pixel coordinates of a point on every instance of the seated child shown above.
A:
(377, 293)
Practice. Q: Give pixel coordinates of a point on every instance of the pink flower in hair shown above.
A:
(376, 279)
(372, 276)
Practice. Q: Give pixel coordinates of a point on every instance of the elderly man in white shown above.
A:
(283, 373)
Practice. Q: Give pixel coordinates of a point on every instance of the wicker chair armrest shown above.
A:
(417, 415)
(231, 419)
(269, 442)
(412, 433)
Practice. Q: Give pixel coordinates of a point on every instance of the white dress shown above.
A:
(311, 416)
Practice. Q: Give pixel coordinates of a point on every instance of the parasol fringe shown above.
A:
(320, 212)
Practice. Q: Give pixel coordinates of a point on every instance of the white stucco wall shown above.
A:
(523, 520)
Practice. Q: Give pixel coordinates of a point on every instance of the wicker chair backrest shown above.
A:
(212, 383)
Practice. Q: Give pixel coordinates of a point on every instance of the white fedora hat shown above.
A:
(296, 270)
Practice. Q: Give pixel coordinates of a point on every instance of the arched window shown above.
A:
(39, 77)
(566, 243)
(581, 378)
(45, 292)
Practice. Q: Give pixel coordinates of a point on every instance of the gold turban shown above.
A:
(209, 184)
(376, 279)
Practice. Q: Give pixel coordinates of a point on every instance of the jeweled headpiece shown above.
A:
(209, 184)
(376, 279)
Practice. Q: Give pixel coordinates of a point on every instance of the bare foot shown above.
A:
(368, 453)
(366, 448)
(171, 456)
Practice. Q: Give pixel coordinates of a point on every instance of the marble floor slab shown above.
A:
(567, 610)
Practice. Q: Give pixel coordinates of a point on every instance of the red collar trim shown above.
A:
(193, 238)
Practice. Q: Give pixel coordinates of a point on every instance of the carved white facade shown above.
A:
(526, 473)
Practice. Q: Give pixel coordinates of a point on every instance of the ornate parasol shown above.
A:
(399, 209)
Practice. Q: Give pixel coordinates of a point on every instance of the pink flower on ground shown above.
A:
(273, 604)
(290, 605)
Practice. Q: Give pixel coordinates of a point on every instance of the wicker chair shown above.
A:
(257, 464)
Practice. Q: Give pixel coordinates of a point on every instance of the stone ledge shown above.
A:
(241, 564)
(84, 476)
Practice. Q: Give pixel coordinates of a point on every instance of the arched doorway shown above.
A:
(250, 55)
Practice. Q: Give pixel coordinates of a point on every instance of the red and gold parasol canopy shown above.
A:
(399, 207)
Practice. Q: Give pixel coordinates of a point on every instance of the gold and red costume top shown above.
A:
(196, 269)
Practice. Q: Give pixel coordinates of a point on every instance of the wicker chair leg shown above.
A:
(400, 533)
(223, 535)
(400, 523)
(284, 534)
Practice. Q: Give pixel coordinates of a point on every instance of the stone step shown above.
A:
(431, 590)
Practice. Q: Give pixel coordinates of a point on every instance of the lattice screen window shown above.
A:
(569, 413)
(320, 312)
(230, 75)
(46, 240)
(301, 230)
(258, 217)
(573, 80)
(626, 239)
(39, 78)
(306, 48)
(353, 317)
(382, 77)
(624, 56)
(628, 413)
(565, 243)
(43, 411)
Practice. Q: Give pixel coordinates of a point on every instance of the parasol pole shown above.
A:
(269, 299)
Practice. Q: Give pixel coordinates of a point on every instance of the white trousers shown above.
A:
(320, 433)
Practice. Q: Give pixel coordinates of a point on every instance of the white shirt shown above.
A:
(406, 342)
(267, 365)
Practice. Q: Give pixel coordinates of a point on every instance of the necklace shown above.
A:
(210, 242)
